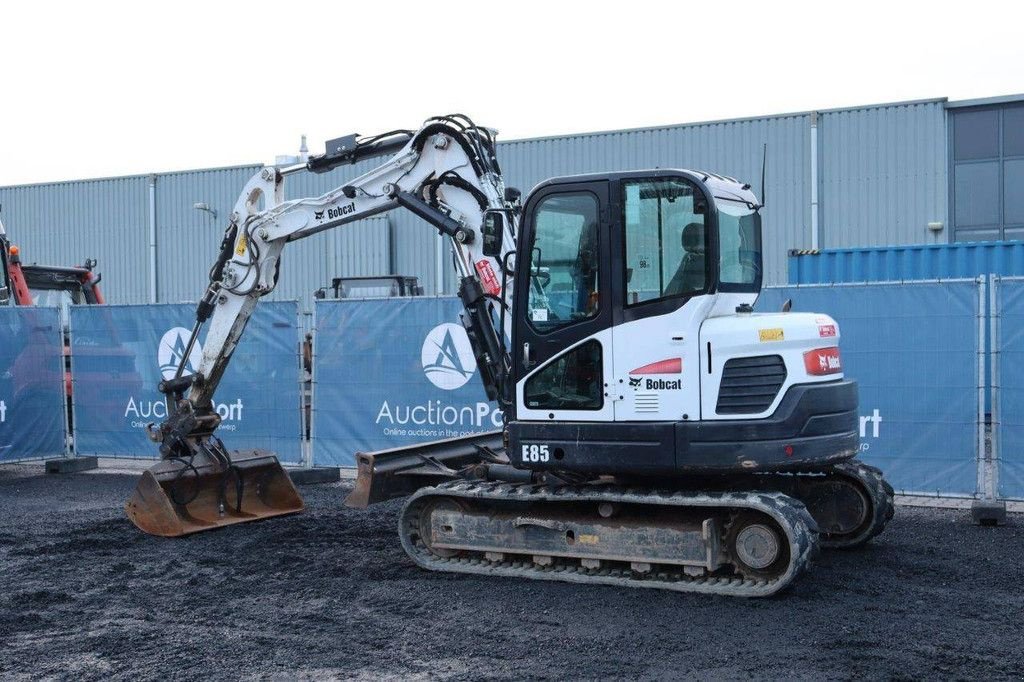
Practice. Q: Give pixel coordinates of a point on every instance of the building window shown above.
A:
(987, 183)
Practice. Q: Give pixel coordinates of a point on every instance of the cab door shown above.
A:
(562, 352)
(663, 236)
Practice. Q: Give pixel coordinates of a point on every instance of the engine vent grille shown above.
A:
(646, 402)
(749, 385)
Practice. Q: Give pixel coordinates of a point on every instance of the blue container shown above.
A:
(913, 262)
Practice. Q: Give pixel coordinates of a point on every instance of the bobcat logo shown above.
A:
(635, 381)
(319, 215)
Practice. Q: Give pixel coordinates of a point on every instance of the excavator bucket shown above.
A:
(181, 496)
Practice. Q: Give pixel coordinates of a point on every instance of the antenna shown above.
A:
(764, 162)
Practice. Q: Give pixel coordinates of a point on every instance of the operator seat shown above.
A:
(692, 271)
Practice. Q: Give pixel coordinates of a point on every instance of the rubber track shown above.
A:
(789, 513)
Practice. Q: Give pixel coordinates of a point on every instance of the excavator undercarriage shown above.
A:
(746, 534)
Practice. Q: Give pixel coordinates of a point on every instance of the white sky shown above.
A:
(101, 88)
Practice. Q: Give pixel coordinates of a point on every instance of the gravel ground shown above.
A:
(330, 594)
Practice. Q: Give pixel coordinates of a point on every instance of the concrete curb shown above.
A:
(71, 465)
(313, 476)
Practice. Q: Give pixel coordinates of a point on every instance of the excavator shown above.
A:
(657, 432)
(46, 285)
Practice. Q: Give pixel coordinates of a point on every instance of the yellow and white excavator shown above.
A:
(657, 432)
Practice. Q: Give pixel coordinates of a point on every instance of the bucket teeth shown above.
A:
(183, 495)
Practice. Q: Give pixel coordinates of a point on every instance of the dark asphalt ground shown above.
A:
(330, 594)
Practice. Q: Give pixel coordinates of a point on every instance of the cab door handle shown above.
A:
(527, 357)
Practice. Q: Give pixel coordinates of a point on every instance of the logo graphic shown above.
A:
(172, 349)
(333, 213)
(635, 381)
(447, 356)
(319, 215)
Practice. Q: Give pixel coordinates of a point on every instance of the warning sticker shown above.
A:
(487, 278)
(775, 334)
(826, 330)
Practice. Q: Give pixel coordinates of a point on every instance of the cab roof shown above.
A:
(720, 186)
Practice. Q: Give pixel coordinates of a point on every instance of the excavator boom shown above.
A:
(446, 173)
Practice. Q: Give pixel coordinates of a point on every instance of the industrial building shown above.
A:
(926, 171)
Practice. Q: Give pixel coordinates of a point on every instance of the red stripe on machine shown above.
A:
(669, 366)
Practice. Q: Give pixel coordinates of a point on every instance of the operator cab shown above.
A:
(614, 261)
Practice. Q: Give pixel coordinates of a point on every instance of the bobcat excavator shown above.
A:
(657, 433)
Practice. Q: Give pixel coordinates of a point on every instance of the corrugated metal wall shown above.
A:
(883, 175)
(733, 148)
(362, 248)
(188, 239)
(882, 178)
(65, 223)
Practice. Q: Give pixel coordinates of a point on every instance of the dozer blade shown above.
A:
(181, 496)
(387, 474)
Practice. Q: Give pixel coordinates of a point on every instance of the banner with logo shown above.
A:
(393, 372)
(1010, 344)
(913, 349)
(33, 420)
(120, 354)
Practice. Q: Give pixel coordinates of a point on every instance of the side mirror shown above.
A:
(493, 233)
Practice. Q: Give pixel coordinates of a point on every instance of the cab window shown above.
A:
(666, 239)
(564, 260)
(572, 382)
(739, 245)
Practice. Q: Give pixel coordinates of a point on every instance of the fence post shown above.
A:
(980, 456)
(311, 397)
(988, 510)
(69, 401)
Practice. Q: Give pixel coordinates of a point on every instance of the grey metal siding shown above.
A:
(731, 148)
(396, 243)
(187, 239)
(361, 248)
(883, 175)
(65, 223)
(882, 179)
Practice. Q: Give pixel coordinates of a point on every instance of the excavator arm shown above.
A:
(447, 174)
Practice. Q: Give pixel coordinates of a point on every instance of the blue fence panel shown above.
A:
(120, 353)
(392, 372)
(1010, 303)
(33, 422)
(913, 348)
